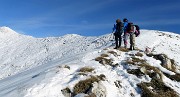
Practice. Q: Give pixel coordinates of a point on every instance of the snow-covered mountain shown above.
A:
(74, 65)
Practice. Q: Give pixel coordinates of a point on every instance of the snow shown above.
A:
(34, 67)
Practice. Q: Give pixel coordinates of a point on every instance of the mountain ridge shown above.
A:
(41, 60)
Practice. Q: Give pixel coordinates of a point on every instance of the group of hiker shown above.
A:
(124, 30)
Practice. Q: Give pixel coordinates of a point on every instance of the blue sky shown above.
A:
(46, 18)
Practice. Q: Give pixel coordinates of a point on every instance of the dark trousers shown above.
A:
(118, 39)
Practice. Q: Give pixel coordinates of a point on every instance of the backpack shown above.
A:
(137, 33)
(119, 28)
(129, 27)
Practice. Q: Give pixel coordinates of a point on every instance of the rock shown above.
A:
(98, 89)
(66, 92)
(165, 61)
(148, 50)
(143, 70)
(168, 64)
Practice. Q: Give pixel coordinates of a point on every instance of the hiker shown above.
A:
(125, 36)
(131, 29)
(118, 30)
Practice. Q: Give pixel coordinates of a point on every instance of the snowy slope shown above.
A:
(20, 52)
(160, 42)
(37, 66)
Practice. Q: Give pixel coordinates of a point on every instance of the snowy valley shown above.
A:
(79, 66)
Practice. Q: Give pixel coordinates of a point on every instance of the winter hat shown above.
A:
(125, 20)
(118, 21)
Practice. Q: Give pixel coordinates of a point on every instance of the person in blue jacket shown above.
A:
(118, 30)
(125, 36)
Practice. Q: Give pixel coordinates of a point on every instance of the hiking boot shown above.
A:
(130, 49)
(119, 46)
(115, 47)
(125, 47)
(133, 48)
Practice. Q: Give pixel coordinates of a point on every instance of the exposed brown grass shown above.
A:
(159, 89)
(104, 55)
(102, 77)
(113, 52)
(84, 86)
(139, 54)
(104, 61)
(130, 62)
(136, 72)
(134, 59)
(156, 56)
(175, 77)
(123, 49)
(91, 95)
(86, 69)
(173, 65)
(148, 68)
(156, 72)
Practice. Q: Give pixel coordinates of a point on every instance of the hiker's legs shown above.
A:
(116, 41)
(120, 39)
(132, 41)
(125, 40)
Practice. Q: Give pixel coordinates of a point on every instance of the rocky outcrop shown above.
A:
(98, 89)
(165, 61)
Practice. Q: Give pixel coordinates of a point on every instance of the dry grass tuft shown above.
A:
(124, 49)
(148, 69)
(173, 65)
(84, 86)
(102, 77)
(104, 55)
(86, 69)
(159, 89)
(137, 60)
(175, 77)
(113, 52)
(156, 72)
(139, 54)
(104, 61)
(136, 72)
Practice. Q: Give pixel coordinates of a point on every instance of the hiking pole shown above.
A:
(112, 35)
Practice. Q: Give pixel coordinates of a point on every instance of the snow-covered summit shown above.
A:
(41, 67)
(6, 30)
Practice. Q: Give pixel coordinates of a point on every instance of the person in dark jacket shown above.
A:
(118, 30)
